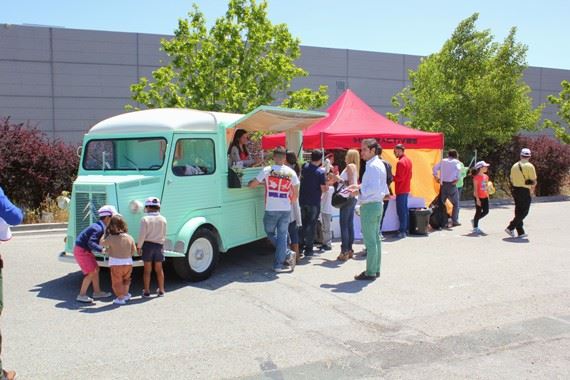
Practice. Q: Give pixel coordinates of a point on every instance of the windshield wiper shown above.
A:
(131, 162)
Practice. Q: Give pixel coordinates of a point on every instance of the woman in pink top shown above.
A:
(481, 194)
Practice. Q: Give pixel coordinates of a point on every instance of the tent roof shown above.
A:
(350, 121)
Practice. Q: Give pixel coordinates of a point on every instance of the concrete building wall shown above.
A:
(66, 80)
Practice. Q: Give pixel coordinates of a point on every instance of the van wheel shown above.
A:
(201, 258)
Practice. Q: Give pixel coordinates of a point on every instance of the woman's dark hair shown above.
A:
(291, 158)
(117, 225)
(235, 142)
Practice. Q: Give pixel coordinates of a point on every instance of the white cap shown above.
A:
(152, 201)
(480, 164)
(107, 210)
(525, 152)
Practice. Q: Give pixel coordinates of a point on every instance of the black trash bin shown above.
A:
(419, 221)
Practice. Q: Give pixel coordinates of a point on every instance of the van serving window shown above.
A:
(194, 157)
(124, 154)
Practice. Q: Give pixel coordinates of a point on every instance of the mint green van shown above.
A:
(180, 156)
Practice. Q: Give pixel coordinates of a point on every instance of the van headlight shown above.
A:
(135, 206)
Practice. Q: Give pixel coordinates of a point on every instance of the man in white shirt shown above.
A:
(372, 191)
(449, 172)
(281, 188)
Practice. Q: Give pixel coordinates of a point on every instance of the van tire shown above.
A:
(201, 257)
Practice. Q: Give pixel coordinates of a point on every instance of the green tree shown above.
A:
(472, 90)
(563, 102)
(241, 62)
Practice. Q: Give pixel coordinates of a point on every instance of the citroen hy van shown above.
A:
(180, 156)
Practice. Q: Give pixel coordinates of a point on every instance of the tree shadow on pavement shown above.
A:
(353, 286)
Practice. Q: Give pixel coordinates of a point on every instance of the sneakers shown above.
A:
(477, 231)
(159, 293)
(401, 235)
(101, 294)
(292, 259)
(120, 301)
(128, 297)
(84, 299)
(145, 294)
(523, 235)
(326, 247)
(280, 270)
(511, 233)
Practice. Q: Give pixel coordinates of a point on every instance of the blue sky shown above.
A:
(409, 27)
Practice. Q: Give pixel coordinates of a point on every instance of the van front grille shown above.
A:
(86, 206)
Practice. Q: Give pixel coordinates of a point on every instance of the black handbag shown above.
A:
(234, 181)
(338, 200)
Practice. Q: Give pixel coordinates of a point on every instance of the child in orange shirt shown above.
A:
(481, 194)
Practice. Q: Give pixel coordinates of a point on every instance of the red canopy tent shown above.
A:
(350, 120)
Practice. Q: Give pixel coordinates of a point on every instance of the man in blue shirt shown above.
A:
(13, 216)
(371, 196)
(313, 185)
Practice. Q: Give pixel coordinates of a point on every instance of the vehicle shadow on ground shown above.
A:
(66, 288)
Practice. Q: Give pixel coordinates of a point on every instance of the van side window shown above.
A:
(194, 157)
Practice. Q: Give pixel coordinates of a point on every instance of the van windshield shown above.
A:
(125, 154)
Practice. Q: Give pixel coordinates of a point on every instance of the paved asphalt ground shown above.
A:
(450, 305)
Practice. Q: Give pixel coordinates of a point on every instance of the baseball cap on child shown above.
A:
(5, 233)
(152, 201)
(525, 152)
(107, 210)
(480, 164)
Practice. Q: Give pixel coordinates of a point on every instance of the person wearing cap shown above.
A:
(10, 215)
(481, 194)
(403, 180)
(86, 244)
(449, 170)
(281, 189)
(523, 180)
(150, 245)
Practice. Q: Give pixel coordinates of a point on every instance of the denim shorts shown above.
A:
(152, 252)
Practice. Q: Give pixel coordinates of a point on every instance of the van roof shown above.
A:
(164, 120)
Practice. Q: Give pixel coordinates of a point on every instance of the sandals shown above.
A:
(346, 255)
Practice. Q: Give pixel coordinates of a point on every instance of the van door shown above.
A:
(192, 184)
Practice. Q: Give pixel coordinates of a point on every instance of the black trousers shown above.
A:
(522, 198)
(480, 211)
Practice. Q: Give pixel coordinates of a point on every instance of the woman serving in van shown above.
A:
(239, 155)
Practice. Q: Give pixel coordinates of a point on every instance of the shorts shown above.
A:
(85, 259)
(152, 252)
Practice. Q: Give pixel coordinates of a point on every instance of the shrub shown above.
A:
(32, 166)
(550, 157)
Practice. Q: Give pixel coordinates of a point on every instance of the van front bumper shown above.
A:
(102, 261)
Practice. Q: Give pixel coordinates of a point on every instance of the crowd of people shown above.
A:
(299, 200)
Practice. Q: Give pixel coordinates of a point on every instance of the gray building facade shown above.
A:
(65, 80)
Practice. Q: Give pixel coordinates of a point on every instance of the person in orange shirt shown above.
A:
(481, 194)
